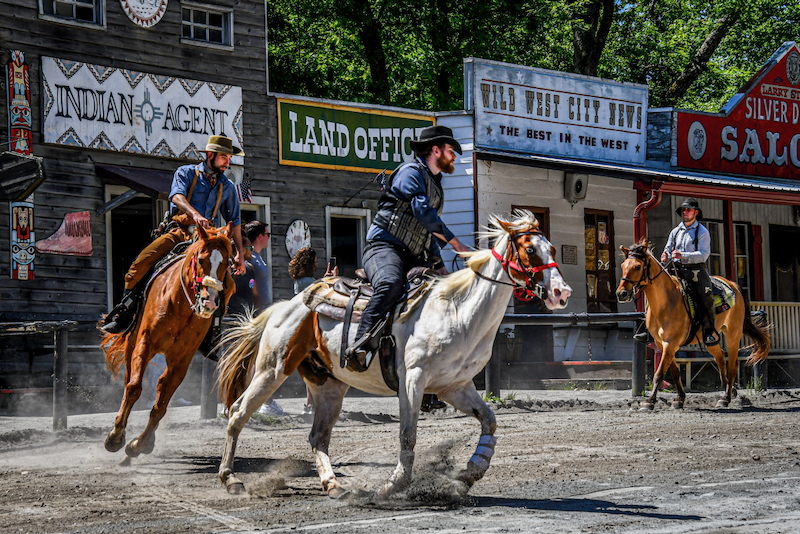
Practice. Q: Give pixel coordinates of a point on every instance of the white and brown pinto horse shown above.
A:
(442, 343)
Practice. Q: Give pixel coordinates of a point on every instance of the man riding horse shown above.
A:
(200, 193)
(407, 232)
(689, 245)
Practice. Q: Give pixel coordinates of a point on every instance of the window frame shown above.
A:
(364, 216)
(227, 30)
(99, 9)
(612, 270)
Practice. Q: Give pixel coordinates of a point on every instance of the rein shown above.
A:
(199, 282)
(531, 288)
(646, 276)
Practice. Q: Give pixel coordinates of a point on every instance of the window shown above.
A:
(346, 233)
(741, 251)
(206, 24)
(716, 261)
(90, 11)
(601, 283)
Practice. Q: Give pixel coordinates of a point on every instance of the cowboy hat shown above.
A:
(223, 145)
(690, 203)
(433, 135)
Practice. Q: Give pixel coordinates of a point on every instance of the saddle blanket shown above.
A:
(724, 296)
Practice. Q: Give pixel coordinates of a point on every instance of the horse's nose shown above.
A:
(622, 295)
(211, 303)
(563, 295)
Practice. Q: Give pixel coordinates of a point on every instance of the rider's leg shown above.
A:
(148, 257)
(386, 269)
(703, 288)
(641, 333)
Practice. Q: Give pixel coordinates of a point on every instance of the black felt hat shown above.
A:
(436, 134)
(690, 203)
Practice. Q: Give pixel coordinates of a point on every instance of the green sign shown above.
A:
(346, 138)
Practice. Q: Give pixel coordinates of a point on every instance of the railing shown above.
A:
(784, 318)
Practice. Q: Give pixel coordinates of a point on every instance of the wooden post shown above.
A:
(760, 374)
(60, 377)
(208, 393)
(492, 374)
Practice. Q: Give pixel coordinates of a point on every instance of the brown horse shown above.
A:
(175, 318)
(669, 323)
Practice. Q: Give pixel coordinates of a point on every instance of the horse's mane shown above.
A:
(640, 250)
(457, 283)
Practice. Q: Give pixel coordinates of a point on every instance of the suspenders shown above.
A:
(219, 191)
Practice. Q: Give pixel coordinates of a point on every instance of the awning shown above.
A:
(20, 175)
(733, 187)
(153, 183)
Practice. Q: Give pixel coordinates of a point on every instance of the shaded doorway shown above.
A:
(785, 263)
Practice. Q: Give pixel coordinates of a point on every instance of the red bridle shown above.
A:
(531, 288)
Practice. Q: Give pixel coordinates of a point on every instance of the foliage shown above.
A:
(411, 53)
(491, 397)
(754, 384)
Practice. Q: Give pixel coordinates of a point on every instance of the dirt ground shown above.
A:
(566, 461)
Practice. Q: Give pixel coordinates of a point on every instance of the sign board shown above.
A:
(122, 110)
(536, 111)
(757, 133)
(331, 136)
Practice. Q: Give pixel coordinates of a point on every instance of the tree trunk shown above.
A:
(370, 33)
(700, 60)
(590, 27)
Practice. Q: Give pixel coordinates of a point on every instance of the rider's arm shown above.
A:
(410, 184)
(239, 256)
(180, 201)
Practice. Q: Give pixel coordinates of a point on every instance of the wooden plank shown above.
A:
(60, 380)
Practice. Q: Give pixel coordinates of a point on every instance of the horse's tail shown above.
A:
(113, 346)
(241, 340)
(758, 333)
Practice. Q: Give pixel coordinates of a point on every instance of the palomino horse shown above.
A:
(442, 343)
(176, 316)
(669, 322)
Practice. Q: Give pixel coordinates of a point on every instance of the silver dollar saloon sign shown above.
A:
(144, 13)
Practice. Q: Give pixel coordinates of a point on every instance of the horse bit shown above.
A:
(531, 288)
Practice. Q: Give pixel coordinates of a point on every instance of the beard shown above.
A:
(218, 169)
(444, 163)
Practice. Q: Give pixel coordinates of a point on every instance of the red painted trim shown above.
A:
(728, 238)
(751, 196)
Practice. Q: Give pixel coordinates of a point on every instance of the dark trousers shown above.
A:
(386, 266)
(698, 278)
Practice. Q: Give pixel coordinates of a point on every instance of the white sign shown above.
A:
(144, 13)
(535, 111)
(107, 108)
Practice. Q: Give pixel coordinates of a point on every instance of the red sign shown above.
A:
(758, 132)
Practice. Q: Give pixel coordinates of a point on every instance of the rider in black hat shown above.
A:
(689, 245)
(407, 231)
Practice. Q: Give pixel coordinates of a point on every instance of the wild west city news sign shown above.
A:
(535, 111)
(332, 136)
(758, 131)
(122, 110)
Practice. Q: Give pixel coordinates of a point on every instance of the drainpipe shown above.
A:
(639, 363)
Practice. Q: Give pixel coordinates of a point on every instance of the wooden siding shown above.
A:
(659, 135)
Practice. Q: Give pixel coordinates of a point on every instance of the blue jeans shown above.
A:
(386, 266)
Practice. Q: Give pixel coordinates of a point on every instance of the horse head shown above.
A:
(530, 261)
(204, 268)
(637, 270)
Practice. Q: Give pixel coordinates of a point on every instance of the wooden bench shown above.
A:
(706, 359)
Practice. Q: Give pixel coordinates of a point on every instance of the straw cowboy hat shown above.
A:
(436, 134)
(223, 145)
(690, 203)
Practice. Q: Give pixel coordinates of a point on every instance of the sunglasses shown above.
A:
(250, 248)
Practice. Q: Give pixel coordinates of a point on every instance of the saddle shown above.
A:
(344, 299)
(724, 299)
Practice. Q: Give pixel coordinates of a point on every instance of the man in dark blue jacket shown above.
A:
(407, 232)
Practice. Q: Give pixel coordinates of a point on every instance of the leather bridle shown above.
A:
(198, 282)
(646, 273)
(531, 288)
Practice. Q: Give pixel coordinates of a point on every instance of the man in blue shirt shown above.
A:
(200, 193)
(407, 232)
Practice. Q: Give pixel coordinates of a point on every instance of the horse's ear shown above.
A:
(228, 231)
(506, 226)
(624, 250)
(202, 232)
(553, 252)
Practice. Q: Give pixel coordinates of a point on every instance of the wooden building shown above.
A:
(119, 95)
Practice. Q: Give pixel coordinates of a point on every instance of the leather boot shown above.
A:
(431, 402)
(123, 314)
(642, 334)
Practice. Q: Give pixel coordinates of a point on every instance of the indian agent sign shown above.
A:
(758, 131)
(107, 108)
(535, 111)
(338, 137)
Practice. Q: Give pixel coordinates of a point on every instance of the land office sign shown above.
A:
(339, 137)
(121, 110)
(758, 131)
(535, 111)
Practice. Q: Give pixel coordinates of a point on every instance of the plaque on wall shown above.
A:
(144, 13)
(569, 254)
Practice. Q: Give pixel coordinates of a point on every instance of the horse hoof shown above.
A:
(677, 405)
(149, 446)
(722, 403)
(337, 492)
(646, 407)
(129, 450)
(113, 445)
(734, 393)
(236, 488)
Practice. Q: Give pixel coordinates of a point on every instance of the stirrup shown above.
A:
(709, 339)
(352, 359)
